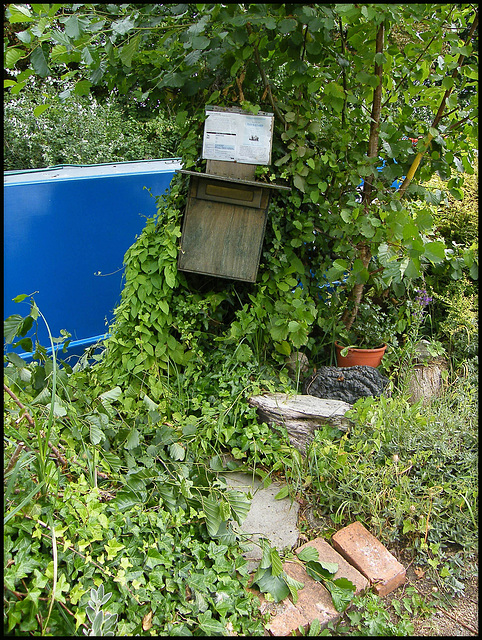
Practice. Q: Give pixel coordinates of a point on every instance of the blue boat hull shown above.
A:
(66, 231)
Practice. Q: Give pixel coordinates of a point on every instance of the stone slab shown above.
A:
(314, 602)
(345, 569)
(268, 518)
(370, 557)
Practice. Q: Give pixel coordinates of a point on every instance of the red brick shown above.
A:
(370, 557)
(314, 602)
(345, 570)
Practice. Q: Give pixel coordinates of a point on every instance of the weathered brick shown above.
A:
(345, 569)
(370, 557)
(314, 602)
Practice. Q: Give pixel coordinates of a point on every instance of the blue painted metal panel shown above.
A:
(66, 230)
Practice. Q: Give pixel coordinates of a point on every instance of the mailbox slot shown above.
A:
(229, 193)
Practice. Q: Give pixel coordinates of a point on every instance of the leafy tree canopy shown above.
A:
(348, 84)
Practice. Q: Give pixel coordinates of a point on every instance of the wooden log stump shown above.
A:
(302, 415)
(425, 376)
(426, 380)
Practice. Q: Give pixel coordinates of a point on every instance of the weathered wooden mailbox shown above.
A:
(227, 208)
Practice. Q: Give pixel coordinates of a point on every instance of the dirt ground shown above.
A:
(459, 617)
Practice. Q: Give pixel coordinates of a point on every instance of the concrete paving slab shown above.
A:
(268, 518)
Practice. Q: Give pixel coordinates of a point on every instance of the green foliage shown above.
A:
(314, 67)
(136, 441)
(165, 327)
(180, 581)
(120, 476)
(103, 623)
(80, 131)
(370, 617)
(407, 472)
(457, 218)
(373, 328)
(458, 323)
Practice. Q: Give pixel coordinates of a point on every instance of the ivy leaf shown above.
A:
(20, 569)
(210, 626)
(275, 585)
(113, 547)
(342, 591)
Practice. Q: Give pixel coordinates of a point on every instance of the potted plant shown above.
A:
(366, 342)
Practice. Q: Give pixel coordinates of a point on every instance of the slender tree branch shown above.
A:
(343, 73)
(417, 60)
(14, 458)
(438, 116)
(19, 404)
(264, 78)
(457, 124)
(304, 43)
(364, 251)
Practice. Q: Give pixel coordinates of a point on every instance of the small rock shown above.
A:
(297, 365)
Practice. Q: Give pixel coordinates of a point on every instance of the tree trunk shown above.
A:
(364, 249)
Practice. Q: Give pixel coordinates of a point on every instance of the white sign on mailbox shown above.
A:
(235, 136)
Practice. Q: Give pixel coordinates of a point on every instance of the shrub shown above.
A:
(457, 220)
(79, 131)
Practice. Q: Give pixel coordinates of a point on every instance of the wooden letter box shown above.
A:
(224, 226)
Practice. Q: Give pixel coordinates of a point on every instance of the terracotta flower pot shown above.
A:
(368, 357)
